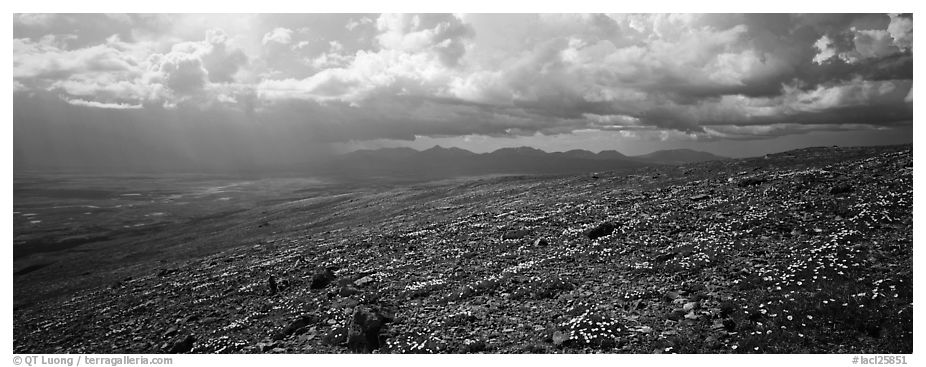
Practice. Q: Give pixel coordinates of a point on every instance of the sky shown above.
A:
(224, 91)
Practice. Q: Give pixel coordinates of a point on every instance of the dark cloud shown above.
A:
(50, 133)
(276, 84)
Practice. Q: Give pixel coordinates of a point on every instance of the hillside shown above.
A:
(808, 251)
(438, 162)
(678, 156)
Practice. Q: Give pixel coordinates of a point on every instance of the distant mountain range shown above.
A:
(438, 162)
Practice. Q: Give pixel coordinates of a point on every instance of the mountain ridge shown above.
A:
(608, 153)
(442, 162)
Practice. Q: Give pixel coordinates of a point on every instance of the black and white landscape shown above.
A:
(466, 183)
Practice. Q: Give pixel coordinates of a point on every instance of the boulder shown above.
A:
(295, 326)
(365, 329)
(165, 272)
(841, 188)
(181, 344)
(727, 308)
(347, 291)
(474, 346)
(751, 181)
(322, 278)
(171, 332)
(559, 338)
(729, 324)
(189, 319)
(265, 347)
(601, 230)
(363, 281)
(665, 256)
(690, 306)
(272, 285)
(677, 314)
(700, 197)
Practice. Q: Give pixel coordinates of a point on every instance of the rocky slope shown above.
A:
(804, 251)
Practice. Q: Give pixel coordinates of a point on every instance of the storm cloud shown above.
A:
(259, 79)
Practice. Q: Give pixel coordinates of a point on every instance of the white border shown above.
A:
(495, 6)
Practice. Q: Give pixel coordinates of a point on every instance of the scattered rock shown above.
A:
(295, 326)
(348, 291)
(474, 346)
(727, 308)
(265, 347)
(751, 181)
(665, 256)
(189, 319)
(515, 234)
(512, 300)
(699, 197)
(322, 278)
(272, 285)
(730, 325)
(363, 281)
(364, 331)
(181, 344)
(712, 342)
(337, 336)
(690, 306)
(841, 188)
(601, 230)
(559, 337)
(170, 332)
(165, 272)
(677, 314)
